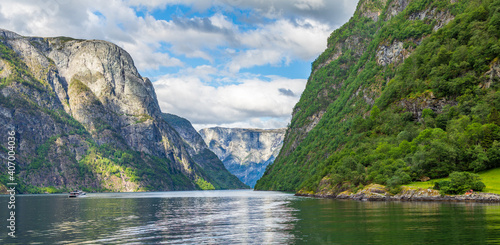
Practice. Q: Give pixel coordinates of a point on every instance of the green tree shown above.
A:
(375, 113)
(494, 117)
(459, 183)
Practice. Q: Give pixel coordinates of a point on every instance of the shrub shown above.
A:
(204, 185)
(459, 183)
(442, 185)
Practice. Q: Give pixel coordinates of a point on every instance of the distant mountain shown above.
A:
(406, 90)
(200, 152)
(84, 117)
(245, 152)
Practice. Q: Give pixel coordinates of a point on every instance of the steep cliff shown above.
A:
(245, 152)
(85, 118)
(406, 90)
(201, 153)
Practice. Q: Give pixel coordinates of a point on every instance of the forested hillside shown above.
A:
(406, 90)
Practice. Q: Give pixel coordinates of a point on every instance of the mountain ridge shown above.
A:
(396, 83)
(198, 149)
(85, 118)
(245, 152)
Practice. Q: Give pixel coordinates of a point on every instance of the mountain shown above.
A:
(406, 90)
(200, 152)
(84, 117)
(245, 152)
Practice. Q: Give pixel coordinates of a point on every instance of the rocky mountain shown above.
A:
(199, 151)
(84, 117)
(406, 90)
(245, 152)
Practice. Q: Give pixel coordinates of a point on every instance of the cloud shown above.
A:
(331, 12)
(109, 20)
(249, 101)
(307, 5)
(286, 92)
(255, 57)
(209, 47)
(263, 123)
(280, 42)
(296, 32)
(146, 58)
(162, 4)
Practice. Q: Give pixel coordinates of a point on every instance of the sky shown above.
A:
(229, 63)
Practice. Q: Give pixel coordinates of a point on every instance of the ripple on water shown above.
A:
(245, 217)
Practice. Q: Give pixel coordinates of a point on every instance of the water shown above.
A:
(243, 217)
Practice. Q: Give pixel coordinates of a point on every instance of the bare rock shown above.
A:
(245, 152)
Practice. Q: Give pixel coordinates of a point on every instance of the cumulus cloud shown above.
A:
(332, 12)
(255, 57)
(309, 4)
(109, 20)
(213, 89)
(253, 101)
(278, 41)
(286, 92)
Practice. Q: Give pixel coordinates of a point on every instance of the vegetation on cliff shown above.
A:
(397, 98)
(84, 118)
(217, 176)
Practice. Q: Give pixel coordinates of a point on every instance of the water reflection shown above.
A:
(245, 217)
(218, 217)
(213, 220)
(351, 222)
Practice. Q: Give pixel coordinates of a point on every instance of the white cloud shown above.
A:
(281, 42)
(309, 4)
(247, 102)
(195, 37)
(334, 12)
(255, 57)
(162, 4)
(146, 58)
(214, 91)
(331, 12)
(190, 37)
(263, 123)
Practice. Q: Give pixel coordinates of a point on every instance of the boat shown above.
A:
(77, 194)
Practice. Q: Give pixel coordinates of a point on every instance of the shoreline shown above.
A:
(131, 192)
(376, 192)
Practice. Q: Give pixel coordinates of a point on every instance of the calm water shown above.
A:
(244, 217)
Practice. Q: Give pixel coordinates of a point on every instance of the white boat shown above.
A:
(77, 194)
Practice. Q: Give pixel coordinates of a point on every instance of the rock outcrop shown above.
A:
(200, 152)
(245, 152)
(375, 192)
(85, 118)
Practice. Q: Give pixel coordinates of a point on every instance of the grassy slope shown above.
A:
(490, 178)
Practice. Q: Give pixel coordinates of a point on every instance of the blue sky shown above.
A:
(232, 63)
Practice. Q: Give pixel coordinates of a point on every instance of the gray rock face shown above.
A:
(245, 152)
(86, 118)
(200, 152)
(389, 54)
(396, 7)
(366, 9)
(375, 192)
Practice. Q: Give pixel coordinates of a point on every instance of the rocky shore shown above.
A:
(375, 192)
